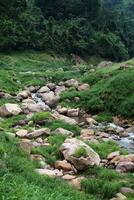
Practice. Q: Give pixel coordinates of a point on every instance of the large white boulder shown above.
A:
(69, 149)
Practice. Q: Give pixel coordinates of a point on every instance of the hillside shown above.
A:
(48, 104)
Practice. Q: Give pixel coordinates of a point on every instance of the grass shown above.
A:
(104, 148)
(52, 152)
(80, 152)
(40, 116)
(111, 92)
(18, 180)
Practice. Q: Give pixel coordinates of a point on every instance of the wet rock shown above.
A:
(62, 131)
(9, 109)
(70, 146)
(38, 133)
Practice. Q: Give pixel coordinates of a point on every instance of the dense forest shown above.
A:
(85, 27)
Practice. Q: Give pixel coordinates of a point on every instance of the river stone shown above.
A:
(62, 111)
(49, 172)
(51, 86)
(62, 131)
(9, 109)
(66, 119)
(43, 89)
(23, 94)
(38, 133)
(50, 99)
(59, 90)
(34, 107)
(113, 155)
(69, 148)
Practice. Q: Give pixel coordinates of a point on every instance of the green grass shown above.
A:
(40, 116)
(104, 148)
(18, 180)
(52, 152)
(80, 152)
(111, 92)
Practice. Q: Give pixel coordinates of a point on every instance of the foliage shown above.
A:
(80, 152)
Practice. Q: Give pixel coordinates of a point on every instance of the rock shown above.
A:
(49, 172)
(125, 190)
(26, 145)
(105, 64)
(122, 158)
(73, 112)
(68, 177)
(113, 155)
(125, 166)
(62, 111)
(50, 99)
(51, 86)
(62, 131)
(83, 87)
(23, 94)
(33, 89)
(70, 146)
(43, 89)
(91, 121)
(9, 109)
(64, 165)
(37, 157)
(72, 83)
(28, 101)
(33, 107)
(76, 182)
(121, 196)
(66, 119)
(59, 90)
(38, 133)
(22, 133)
(87, 132)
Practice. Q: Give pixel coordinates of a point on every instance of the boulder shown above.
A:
(122, 158)
(59, 90)
(51, 86)
(69, 148)
(50, 99)
(73, 112)
(125, 166)
(66, 119)
(87, 132)
(72, 83)
(64, 165)
(9, 109)
(43, 89)
(91, 121)
(62, 131)
(23, 94)
(125, 190)
(22, 133)
(39, 133)
(62, 111)
(104, 64)
(68, 177)
(83, 87)
(34, 107)
(76, 182)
